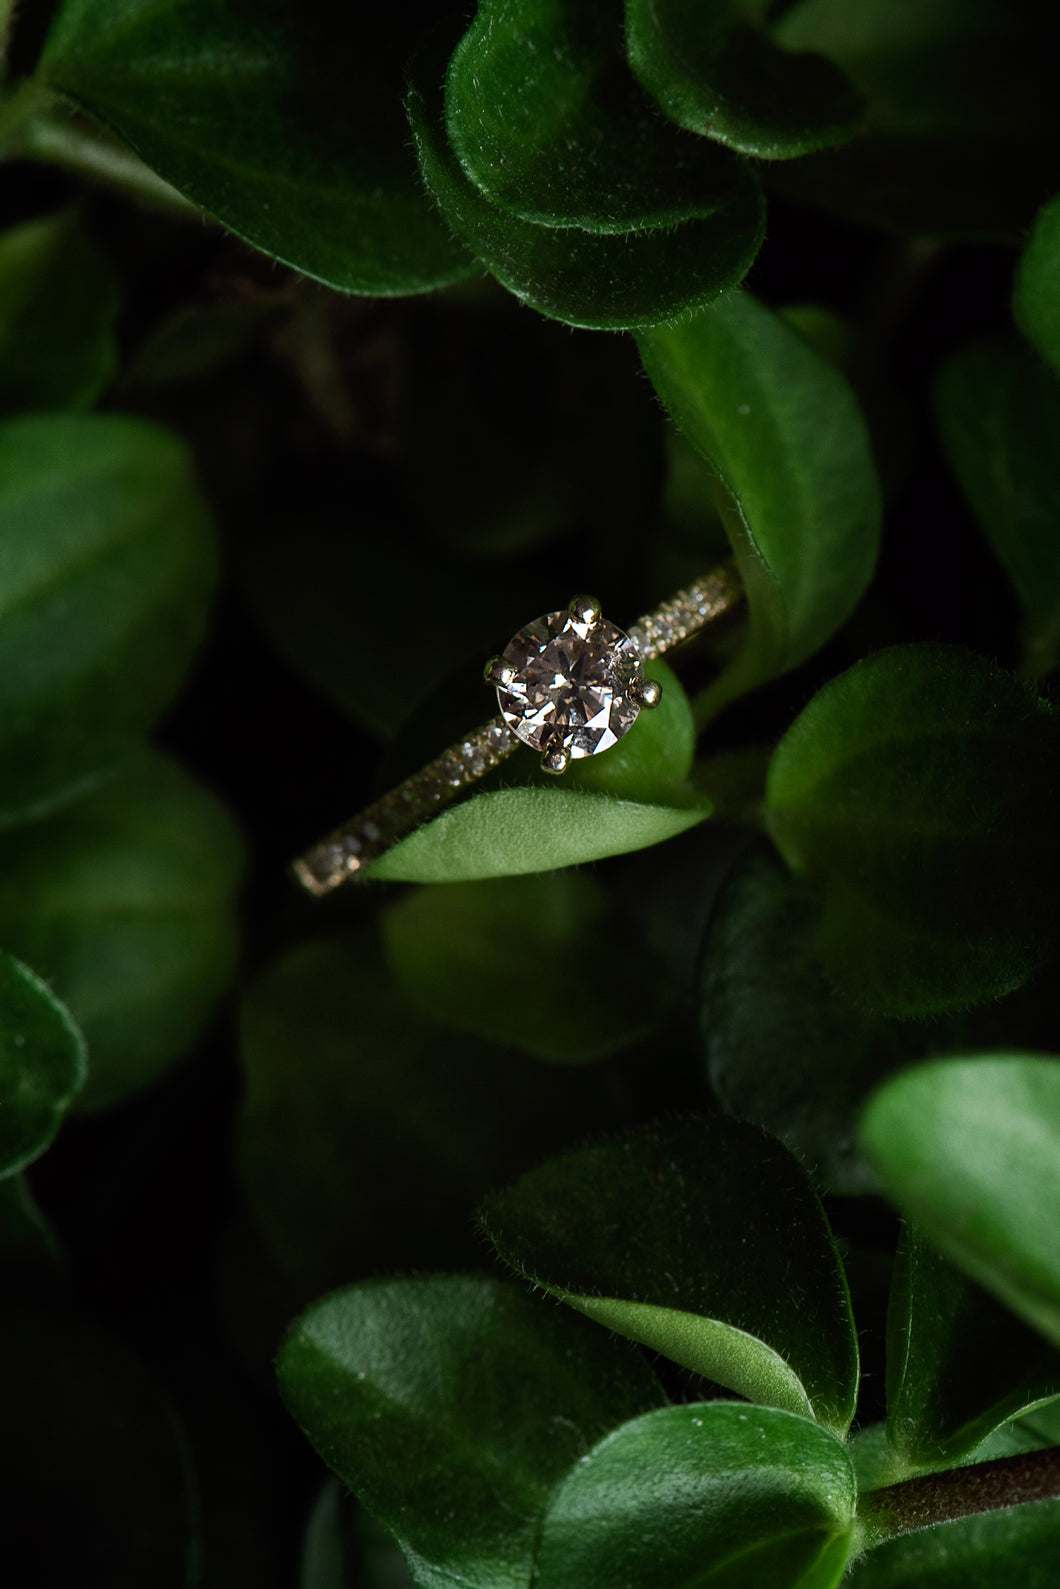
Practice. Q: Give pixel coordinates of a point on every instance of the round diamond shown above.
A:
(571, 684)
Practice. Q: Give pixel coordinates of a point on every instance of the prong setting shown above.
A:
(499, 671)
(584, 610)
(646, 692)
(556, 759)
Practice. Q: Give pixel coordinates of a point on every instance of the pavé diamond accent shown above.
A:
(571, 684)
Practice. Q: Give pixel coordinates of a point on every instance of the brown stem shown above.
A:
(959, 1492)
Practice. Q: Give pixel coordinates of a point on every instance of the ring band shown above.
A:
(348, 849)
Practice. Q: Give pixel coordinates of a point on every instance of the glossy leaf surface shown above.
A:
(452, 949)
(711, 70)
(958, 1363)
(970, 1149)
(452, 1406)
(506, 832)
(286, 125)
(107, 563)
(916, 792)
(782, 431)
(705, 1493)
(998, 408)
(125, 903)
(587, 278)
(1015, 1548)
(58, 301)
(42, 1064)
(702, 1239)
(1036, 299)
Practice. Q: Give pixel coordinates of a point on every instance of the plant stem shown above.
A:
(54, 139)
(7, 16)
(959, 1492)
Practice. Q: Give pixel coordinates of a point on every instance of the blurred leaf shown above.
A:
(958, 1363)
(452, 948)
(917, 792)
(962, 116)
(998, 409)
(368, 1134)
(28, 1245)
(452, 1406)
(603, 280)
(124, 902)
(1015, 1548)
(42, 1065)
(1036, 299)
(58, 301)
(286, 124)
(970, 1149)
(740, 1497)
(579, 145)
(107, 563)
(323, 1563)
(702, 1239)
(710, 70)
(88, 1439)
(506, 832)
(783, 433)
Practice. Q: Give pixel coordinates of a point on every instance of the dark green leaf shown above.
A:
(713, 72)
(783, 433)
(506, 832)
(962, 116)
(958, 1363)
(604, 280)
(917, 792)
(452, 948)
(998, 408)
(702, 1239)
(579, 145)
(1036, 299)
(107, 562)
(368, 1134)
(285, 123)
(323, 1563)
(124, 902)
(58, 300)
(970, 1149)
(1015, 1548)
(707, 1493)
(42, 1065)
(452, 1406)
(28, 1247)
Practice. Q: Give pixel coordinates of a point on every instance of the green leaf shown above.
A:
(1036, 297)
(710, 1492)
(702, 1239)
(508, 832)
(970, 1149)
(711, 71)
(124, 902)
(452, 1406)
(958, 1364)
(916, 791)
(58, 301)
(579, 145)
(367, 1133)
(782, 431)
(602, 280)
(451, 948)
(28, 1247)
(286, 124)
(1015, 1548)
(962, 121)
(998, 409)
(42, 1065)
(107, 563)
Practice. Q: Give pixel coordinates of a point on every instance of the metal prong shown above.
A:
(556, 759)
(498, 670)
(646, 692)
(584, 610)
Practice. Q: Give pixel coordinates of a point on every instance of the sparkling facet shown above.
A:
(571, 685)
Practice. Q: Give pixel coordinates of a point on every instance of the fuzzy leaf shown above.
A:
(452, 1406)
(712, 1492)
(1015, 1548)
(783, 433)
(702, 1239)
(916, 792)
(1036, 298)
(970, 1149)
(42, 1065)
